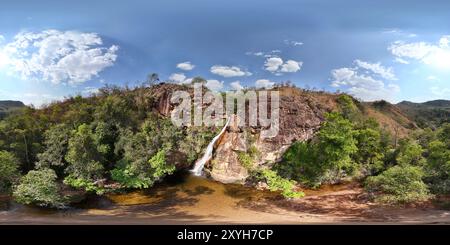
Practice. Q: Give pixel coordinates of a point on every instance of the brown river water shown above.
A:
(187, 199)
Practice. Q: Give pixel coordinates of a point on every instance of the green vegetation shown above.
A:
(431, 114)
(349, 146)
(274, 181)
(7, 107)
(114, 139)
(39, 187)
(9, 170)
(119, 139)
(327, 158)
(278, 183)
(399, 185)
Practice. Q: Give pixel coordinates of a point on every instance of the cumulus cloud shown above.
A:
(377, 68)
(58, 56)
(276, 65)
(2, 38)
(229, 71)
(214, 85)
(186, 66)
(291, 66)
(236, 85)
(435, 54)
(177, 77)
(273, 64)
(364, 84)
(264, 83)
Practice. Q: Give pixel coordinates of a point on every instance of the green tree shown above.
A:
(56, 140)
(195, 141)
(410, 153)
(84, 155)
(438, 162)
(9, 170)
(132, 175)
(39, 187)
(335, 145)
(369, 147)
(21, 134)
(326, 158)
(348, 108)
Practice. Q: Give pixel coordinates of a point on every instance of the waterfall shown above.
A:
(198, 168)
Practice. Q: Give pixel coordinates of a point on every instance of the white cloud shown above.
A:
(2, 38)
(435, 54)
(399, 32)
(177, 77)
(58, 56)
(444, 41)
(342, 76)
(291, 66)
(377, 68)
(264, 83)
(255, 53)
(363, 86)
(401, 61)
(229, 71)
(276, 65)
(89, 90)
(293, 43)
(272, 64)
(417, 50)
(236, 85)
(214, 85)
(186, 66)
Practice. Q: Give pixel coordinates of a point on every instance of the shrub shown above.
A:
(399, 185)
(80, 183)
(39, 187)
(277, 183)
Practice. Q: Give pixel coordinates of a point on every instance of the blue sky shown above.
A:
(372, 49)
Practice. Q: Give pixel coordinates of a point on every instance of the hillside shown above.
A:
(428, 114)
(6, 106)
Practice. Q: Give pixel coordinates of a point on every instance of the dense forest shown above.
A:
(115, 140)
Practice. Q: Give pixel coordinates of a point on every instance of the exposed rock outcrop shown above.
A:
(300, 117)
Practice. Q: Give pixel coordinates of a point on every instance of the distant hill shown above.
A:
(428, 114)
(7, 106)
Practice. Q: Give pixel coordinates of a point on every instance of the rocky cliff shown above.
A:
(301, 114)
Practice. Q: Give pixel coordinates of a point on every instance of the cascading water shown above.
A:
(198, 167)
